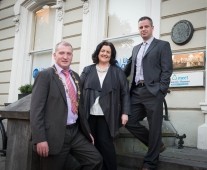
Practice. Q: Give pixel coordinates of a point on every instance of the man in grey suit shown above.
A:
(58, 130)
(149, 69)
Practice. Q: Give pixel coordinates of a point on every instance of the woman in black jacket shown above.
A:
(106, 100)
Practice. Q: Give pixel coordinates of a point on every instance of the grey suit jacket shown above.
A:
(157, 66)
(48, 112)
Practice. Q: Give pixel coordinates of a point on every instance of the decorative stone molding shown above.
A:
(34, 4)
(93, 29)
(85, 7)
(59, 7)
(60, 15)
(16, 22)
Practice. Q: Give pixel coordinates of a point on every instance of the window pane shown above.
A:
(124, 48)
(44, 29)
(43, 40)
(123, 16)
(40, 61)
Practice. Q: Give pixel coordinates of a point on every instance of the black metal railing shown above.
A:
(3, 137)
(165, 116)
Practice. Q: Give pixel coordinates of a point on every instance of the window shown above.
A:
(123, 26)
(41, 52)
(123, 16)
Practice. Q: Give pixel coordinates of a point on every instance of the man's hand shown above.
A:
(124, 119)
(43, 149)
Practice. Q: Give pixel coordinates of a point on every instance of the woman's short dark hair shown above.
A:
(98, 49)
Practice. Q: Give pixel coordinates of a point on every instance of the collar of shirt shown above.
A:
(59, 69)
(61, 75)
(149, 41)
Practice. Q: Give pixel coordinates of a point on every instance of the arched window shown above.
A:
(123, 26)
(43, 36)
(38, 28)
(116, 21)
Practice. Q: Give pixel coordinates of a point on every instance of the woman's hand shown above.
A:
(124, 119)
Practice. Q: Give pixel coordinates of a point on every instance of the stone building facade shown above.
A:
(29, 29)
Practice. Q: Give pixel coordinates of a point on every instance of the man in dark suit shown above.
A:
(149, 69)
(59, 127)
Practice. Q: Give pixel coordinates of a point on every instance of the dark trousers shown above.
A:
(144, 104)
(79, 147)
(103, 141)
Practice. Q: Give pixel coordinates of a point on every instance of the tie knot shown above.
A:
(66, 73)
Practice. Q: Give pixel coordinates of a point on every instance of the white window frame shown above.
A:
(95, 24)
(24, 18)
(152, 13)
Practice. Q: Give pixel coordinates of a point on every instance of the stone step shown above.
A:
(2, 162)
(126, 142)
(171, 159)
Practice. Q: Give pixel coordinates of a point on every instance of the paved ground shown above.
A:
(192, 157)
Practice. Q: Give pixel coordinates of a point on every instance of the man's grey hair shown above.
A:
(64, 43)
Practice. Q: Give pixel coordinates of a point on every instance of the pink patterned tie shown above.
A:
(71, 91)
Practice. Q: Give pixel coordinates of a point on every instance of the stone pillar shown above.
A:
(93, 29)
(202, 130)
(19, 154)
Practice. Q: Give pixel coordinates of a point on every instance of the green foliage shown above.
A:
(27, 88)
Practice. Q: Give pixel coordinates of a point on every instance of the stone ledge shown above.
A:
(171, 159)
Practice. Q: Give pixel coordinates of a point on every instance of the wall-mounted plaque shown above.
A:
(187, 79)
(188, 60)
(182, 32)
